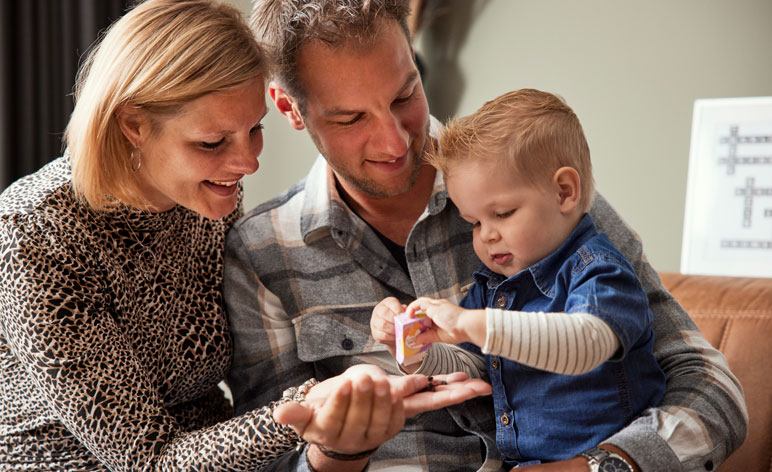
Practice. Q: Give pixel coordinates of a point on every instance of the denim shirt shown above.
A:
(543, 416)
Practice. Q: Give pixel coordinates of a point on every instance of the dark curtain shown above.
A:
(41, 44)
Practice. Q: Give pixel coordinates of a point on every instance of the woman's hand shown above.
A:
(352, 412)
(364, 407)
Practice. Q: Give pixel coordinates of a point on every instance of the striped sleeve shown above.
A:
(556, 342)
(447, 358)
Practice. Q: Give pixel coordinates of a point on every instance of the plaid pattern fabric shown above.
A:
(303, 273)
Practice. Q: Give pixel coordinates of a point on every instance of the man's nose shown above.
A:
(391, 137)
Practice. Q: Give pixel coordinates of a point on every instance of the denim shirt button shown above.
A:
(505, 420)
(495, 363)
(347, 344)
(502, 302)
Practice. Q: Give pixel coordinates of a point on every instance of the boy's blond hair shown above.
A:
(535, 132)
(158, 57)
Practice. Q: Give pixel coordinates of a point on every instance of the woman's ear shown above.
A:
(286, 105)
(566, 182)
(133, 123)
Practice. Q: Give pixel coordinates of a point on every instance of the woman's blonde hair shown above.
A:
(535, 132)
(159, 56)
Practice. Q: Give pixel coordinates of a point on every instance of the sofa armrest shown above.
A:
(735, 315)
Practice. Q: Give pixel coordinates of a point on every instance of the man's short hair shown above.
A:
(285, 26)
(535, 132)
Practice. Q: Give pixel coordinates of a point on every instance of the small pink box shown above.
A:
(406, 329)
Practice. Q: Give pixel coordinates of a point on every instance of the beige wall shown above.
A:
(287, 154)
(631, 71)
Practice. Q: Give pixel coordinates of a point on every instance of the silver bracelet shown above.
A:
(298, 394)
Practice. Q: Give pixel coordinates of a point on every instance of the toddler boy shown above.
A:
(556, 312)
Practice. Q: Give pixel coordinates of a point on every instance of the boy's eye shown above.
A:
(505, 214)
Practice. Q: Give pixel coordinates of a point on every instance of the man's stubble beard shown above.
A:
(369, 186)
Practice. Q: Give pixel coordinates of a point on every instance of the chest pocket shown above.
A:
(335, 331)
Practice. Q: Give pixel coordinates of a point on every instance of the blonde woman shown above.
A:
(113, 336)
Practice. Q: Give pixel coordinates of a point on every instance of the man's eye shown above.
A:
(207, 145)
(258, 127)
(404, 99)
(351, 121)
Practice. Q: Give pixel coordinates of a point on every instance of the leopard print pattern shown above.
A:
(113, 339)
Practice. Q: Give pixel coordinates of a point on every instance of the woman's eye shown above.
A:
(207, 145)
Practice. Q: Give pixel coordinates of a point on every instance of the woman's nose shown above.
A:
(245, 157)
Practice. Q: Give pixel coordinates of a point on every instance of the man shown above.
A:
(304, 271)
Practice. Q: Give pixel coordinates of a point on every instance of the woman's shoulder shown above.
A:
(42, 210)
(50, 186)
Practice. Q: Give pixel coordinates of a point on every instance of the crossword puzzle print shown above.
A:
(728, 213)
(750, 148)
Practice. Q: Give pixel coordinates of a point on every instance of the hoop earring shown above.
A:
(135, 168)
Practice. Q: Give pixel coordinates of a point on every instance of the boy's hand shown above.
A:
(382, 322)
(451, 323)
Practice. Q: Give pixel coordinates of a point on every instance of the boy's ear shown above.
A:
(286, 105)
(566, 182)
(134, 124)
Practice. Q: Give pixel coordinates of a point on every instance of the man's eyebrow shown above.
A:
(411, 78)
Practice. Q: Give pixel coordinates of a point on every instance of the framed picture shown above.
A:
(728, 214)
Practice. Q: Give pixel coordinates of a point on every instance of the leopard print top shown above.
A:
(113, 339)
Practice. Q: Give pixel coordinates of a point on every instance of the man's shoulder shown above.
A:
(259, 216)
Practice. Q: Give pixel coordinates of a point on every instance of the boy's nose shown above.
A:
(488, 233)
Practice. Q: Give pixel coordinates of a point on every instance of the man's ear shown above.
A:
(286, 105)
(133, 123)
(566, 182)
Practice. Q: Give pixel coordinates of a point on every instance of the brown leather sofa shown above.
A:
(735, 316)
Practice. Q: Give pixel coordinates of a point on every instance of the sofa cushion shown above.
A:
(735, 316)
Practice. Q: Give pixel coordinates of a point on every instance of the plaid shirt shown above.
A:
(303, 274)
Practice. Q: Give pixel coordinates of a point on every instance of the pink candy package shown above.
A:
(406, 329)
